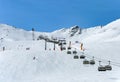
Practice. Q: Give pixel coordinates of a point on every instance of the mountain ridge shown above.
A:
(110, 30)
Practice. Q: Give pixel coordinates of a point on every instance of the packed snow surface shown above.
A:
(25, 60)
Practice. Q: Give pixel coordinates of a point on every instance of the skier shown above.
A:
(3, 48)
(81, 46)
(34, 58)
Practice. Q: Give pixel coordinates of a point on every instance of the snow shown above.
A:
(17, 63)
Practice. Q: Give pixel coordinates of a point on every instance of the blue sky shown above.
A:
(50, 15)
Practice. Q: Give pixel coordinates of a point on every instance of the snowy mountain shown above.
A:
(11, 33)
(25, 60)
(109, 32)
(70, 32)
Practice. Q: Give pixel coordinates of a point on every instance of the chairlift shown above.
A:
(76, 41)
(64, 43)
(75, 52)
(27, 48)
(76, 57)
(86, 61)
(101, 68)
(63, 48)
(92, 62)
(34, 58)
(108, 67)
(69, 48)
(68, 52)
(82, 57)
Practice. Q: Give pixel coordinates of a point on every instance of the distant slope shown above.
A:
(108, 32)
(10, 33)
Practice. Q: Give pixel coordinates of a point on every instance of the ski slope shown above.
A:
(17, 63)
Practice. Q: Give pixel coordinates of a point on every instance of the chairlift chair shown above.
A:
(63, 48)
(68, 52)
(108, 67)
(86, 61)
(69, 48)
(76, 41)
(76, 57)
(74, 52)
(82, 57)
(64, 43)
(92, 62)
(100, 67)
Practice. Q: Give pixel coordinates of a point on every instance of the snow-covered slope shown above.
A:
(100, 33)
(25, 60)
(70, 32)
(10, 33)
(105, 34)
(109, 32)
